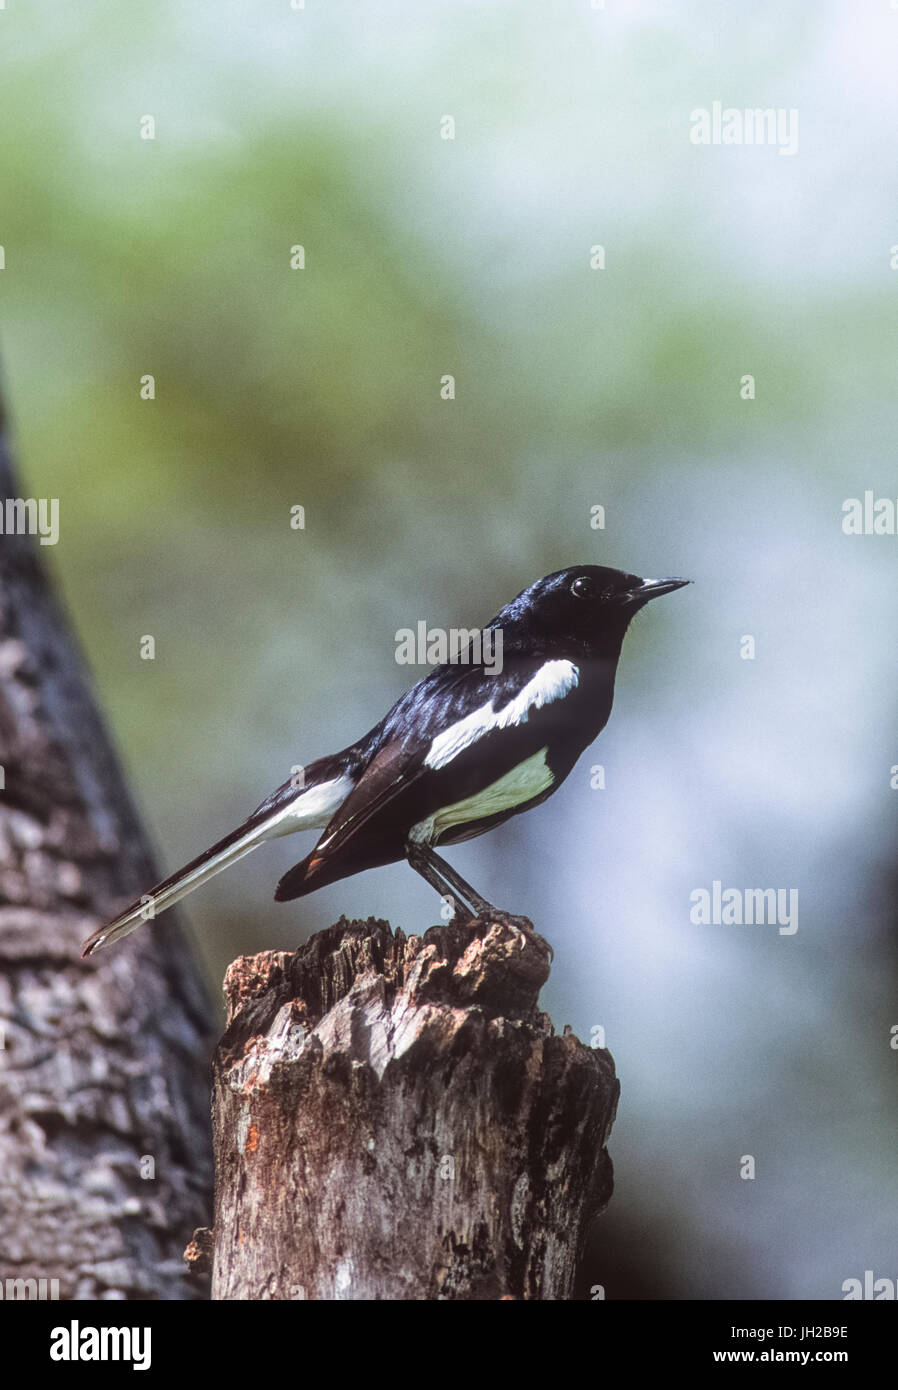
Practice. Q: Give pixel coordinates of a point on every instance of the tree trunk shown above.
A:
(105, 1160)
(394, 1119)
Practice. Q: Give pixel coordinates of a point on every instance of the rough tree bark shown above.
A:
(103, 1067)
(395, 1119)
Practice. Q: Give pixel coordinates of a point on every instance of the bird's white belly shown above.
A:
(529, 779)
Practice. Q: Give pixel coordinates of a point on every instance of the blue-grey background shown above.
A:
(575, 387)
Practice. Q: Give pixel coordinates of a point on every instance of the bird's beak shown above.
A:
(654, 588)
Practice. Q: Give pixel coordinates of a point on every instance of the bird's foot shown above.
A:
(522, 927)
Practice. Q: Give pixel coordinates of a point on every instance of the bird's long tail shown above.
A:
(326, 784)
(178, 885)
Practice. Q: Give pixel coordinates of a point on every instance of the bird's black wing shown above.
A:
(399, 749)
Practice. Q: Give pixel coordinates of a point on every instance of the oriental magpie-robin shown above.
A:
(458, 754)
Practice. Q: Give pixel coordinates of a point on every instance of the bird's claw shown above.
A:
(523, 928)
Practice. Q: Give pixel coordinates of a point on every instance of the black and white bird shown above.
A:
(458, 754)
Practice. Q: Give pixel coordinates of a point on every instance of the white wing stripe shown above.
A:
(551, 682)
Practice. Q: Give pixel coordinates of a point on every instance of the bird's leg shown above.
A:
(455, 880)
(421, 860)
(432, 867)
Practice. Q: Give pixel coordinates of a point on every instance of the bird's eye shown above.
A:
(584, 587)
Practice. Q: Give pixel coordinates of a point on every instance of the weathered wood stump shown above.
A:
(395, 1119)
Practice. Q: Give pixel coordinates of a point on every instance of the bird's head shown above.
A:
(586, 607)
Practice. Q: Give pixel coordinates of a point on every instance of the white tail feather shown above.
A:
(153, 903)
(311, 810)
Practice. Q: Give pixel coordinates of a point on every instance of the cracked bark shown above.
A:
(395, 1119)
(103, 1067)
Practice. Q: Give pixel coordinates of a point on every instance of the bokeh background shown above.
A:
(575, 387)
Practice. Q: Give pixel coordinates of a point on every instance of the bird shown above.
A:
(463, 750)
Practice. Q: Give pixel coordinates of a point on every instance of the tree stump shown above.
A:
(393, 1118)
